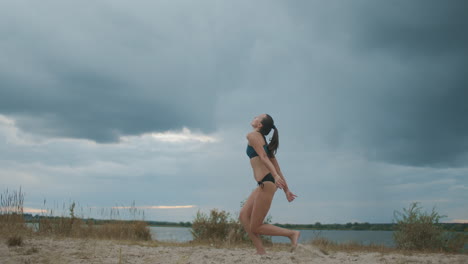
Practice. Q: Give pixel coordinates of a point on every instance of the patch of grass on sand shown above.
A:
(15, 241)
(13, 225)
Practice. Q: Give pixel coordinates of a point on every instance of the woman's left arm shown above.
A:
(278, 170)
(289, 195)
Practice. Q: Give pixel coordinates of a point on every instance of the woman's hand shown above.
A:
(290, 196)
(280, 183)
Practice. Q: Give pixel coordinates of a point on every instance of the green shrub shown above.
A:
(213, 228)
(417, 230)
(220, 228)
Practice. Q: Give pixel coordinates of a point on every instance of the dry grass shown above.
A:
(217, 228)
(220, 229)
(327, 246)
(77, 228)
(15, 241)
(11, 214)
(13, 225)
(418, 230)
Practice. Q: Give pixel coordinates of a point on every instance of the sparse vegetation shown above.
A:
(13, 225)
(325, 245)
(15, 241)
(220, 228)
(11, 213)
(217, 227)
(80, 228)
(417, 230)
(414, 229)
(31, 251)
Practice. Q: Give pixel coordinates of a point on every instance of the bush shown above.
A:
(122, 230)
(217, 228)
(15, 241)
(141, 231)
(417, 230)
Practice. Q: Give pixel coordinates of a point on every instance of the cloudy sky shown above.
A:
(109, 103)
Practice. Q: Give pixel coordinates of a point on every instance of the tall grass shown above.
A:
(11, 213)
(12, 222)
(80, 227)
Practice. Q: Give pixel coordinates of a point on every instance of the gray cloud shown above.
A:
(412, 29)
(385, 79)
(104, 72)
(382, 79)
(418, 113)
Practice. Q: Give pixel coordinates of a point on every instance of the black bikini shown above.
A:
(252, 154)
(267, 177)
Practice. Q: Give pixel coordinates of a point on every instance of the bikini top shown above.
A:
(252, 153)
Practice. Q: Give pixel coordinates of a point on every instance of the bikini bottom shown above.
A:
(267, 177)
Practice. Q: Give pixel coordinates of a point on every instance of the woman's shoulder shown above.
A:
(253, 135)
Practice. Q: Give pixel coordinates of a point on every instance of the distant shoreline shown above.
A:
(454, 227)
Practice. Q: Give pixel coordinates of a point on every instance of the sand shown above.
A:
(61, 251)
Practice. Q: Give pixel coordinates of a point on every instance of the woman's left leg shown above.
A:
(260, 209)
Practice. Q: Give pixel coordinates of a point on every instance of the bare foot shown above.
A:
(294, 239)
(261, 252)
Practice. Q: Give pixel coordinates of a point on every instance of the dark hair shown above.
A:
(269, 124)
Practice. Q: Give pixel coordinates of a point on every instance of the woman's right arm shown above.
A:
(278, 170)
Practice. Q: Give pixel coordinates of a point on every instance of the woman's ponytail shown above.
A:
(268, 125)
(274, 142)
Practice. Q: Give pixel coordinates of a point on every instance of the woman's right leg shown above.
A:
(245, 218)
(260, 209)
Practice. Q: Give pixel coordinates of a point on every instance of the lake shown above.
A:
(182, 234)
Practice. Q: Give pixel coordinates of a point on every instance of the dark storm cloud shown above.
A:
(382, 78)
(422, 116)
(400, 89)
(103, 71)
(414, 28)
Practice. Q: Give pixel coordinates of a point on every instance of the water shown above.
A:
(173, 234)
(182, 234)
(342, 236)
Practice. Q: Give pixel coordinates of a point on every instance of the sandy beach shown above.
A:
(60, 251)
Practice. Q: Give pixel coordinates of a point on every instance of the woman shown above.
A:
(268, 175)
